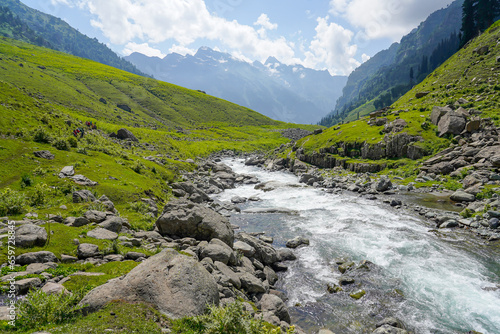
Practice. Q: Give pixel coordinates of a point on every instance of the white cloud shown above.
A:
(183, 21)
(182, 50)
(365, 57)
(332, 48)
(60, 2)
(265, 23)
(143, 48)
(385, 18)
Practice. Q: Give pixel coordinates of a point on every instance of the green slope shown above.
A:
(465, 75)
(58, 35)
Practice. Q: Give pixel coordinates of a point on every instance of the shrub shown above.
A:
(231, 319)
(26, 181)
(137, 167)
(72, 142)
(39, 309)
(40, 194)
(61, 144)
(11, 202)
(39, 171)
(139, 207)
(41, 136)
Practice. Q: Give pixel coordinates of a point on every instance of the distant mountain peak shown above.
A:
(272, 60)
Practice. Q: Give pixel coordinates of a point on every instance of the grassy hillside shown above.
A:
(45, 95)
(465, 75)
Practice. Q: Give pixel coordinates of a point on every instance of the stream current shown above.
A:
(435, 282)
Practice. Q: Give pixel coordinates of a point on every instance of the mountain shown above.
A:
(287, 93)
(33, 26)
(386, 76)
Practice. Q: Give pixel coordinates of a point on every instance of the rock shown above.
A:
(125, 134)
(29, 235)
(25, 285)
(87, 250)
(238, 200)
(124, 107)
(103, 100)
(286, 254)
(325, 331)
(451, 123)
(346, 266)
(135, 256)
(175, 284)
(67, 172)
(462, 196)
(80, 221)
(44, 155)
(244, 248)
(102, 234)
(38, 268)
(495, 160)
(473, 126)
(51, 288)
(449, 224)
(482, 50)
(438, 112)
(382, 185)
(345, 280)
(358, 294)
(36, 257)
(83, 180)
(419, 95)
(217, 251)
(230, 274)
(148, 235)
(95, 216)
(391, 321)
(113, 224)
(263, 251)
(386, 329)
(251, 283)
(271, 275)
(114, 257)
(494, 223)
(186, 219)
(82, 196)
(68, 258)
(274, 305)
(268, 240)
(191, 189)
(296, 242)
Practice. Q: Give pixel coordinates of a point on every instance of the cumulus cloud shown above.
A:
(183, 21)
(385, 18)
(332, 48)
(143, 48)
(60, 2)
(265, 23)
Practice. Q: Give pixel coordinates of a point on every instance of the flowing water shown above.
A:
(435, 282)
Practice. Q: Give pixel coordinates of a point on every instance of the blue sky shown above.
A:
(337, 35)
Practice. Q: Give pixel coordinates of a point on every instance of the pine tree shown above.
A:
(412, 75)
(469, 28)
(486, 12)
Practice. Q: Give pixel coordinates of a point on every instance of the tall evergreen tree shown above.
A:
(486, 12)
(469, 28)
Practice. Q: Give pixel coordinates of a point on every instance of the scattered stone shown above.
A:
(419, 95)
(345, 280)
(244, 248)
(44, 155)
(263, 251)
(87, 250)
(177, 285)
(29, 235)
(286, 254)
(82, 196)
(274, 305)
(83, 180)
(125, 134)
(386, 329)
(346, 266)
(251, 283)
(79, 221)
(462, 196)
(36, 257)
(358, 294)
(37, 268)
(51, 288)
(25, 285)
(451, 123)
(296, 242)
(67, 172)
(113, 224)
(238, 200)
(102, 234)
(135, 256)
(68, 258)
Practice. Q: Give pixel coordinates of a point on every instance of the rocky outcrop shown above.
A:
(183, 218)
(451, 123)
(44, 154)
(175, 284)
(125, 134)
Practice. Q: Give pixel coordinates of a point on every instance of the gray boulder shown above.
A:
(438, 112)
(87, 250)
(286, 254)
(186, 219)
(36, 257)
(82, 196)
(79, 221)
(25, 285)
(125, 134)
(29, 235)
(244, 248)
(232, 277)
(175, 284)
(462, 196)
(113, 224)
(251, 284)
(67, 172)
(192, 190)
(275, 305)
(102, 234)
(451, 123)
(263, 251)
(44, 155)
(52, 288)
(296, 242)
(386, 329)
(95, 216)
(382, 185)
(218, 251)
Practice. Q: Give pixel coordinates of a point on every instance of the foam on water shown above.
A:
(442, 281)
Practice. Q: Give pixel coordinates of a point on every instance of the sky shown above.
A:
(337, 35)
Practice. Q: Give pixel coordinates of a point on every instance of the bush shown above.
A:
(26, 181)
(40, 194)
(41, 136)
(11, 202)
(139, 207)
(61, 144)
(137, 167)
(231, 319)
(72, 142)
(40, 309)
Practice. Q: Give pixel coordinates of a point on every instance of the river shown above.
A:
(435, 282)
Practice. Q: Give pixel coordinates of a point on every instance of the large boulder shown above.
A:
(36, 257)
(29, 235)
(82, 196)
(87, 250)
(183, 218)
(275, 305)
(451, 123)
(263, 251)
(382, 185)
(438, 112)
(462, 196)
(125, 134)
(190, 189)
(113, 224)
(177, 285)
(102, 234)
(217, 250)
(44, 155)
